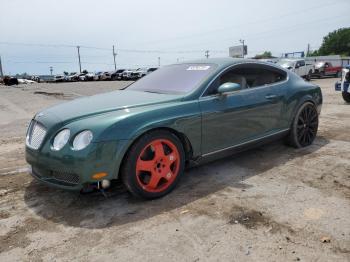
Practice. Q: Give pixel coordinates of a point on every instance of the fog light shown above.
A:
(98, 176)
(105, 183)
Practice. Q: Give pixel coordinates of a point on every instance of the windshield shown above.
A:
(174, 79)
(319, 64)
(285, 63)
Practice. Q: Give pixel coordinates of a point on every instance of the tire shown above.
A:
(304, 127)
(346, 97)
(153, 165)
(308, 76)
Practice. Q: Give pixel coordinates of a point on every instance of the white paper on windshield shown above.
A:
(198, 68)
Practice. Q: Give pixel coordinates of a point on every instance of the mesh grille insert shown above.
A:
(35, 135)
(56, 177)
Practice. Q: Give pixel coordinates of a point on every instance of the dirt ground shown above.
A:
(273, 203)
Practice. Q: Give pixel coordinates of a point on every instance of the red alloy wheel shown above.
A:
(157, 166)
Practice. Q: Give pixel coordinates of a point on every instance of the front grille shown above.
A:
(61, 177)
(35, 134)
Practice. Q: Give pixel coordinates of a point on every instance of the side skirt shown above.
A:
(232, 150)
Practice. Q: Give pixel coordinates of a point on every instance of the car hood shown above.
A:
(104, 103)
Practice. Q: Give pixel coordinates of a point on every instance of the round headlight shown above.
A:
(82, 140)
(61, 139)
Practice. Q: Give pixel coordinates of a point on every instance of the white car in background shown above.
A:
(59, 78)
(91, 77)
(72, 77)
(141, 72)
(148, 71)
(104, 75)
(298, 66)
(344, 84)
(138, 73)
(25, 81)
(81, 76)
(127, 74)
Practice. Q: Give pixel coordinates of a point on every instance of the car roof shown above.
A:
(225, 62)
(222, 61)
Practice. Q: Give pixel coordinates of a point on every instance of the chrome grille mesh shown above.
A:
(35, 135)
(58, 177)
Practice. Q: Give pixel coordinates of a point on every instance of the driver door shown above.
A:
(241, 116)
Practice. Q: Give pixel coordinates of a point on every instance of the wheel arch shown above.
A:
(186, 143)
(303, 100)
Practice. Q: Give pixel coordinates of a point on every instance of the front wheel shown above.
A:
(346, 97)
(153, 165)
(304, 127)
(308, 76)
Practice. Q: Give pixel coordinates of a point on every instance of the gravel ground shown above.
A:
(273, 203)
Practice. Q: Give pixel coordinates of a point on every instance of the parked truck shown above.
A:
(323, 69)
(298, 66)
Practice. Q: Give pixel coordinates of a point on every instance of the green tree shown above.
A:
(335, 43)
(265, 55)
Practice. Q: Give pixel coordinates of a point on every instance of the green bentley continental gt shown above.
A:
(181, 114)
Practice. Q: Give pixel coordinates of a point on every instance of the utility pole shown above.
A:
(51, 70)
(242, 42)
(1, 72)
(159, 61)
(207, 54)
(78, 47)
(114, 55)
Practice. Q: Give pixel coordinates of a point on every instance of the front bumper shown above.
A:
(72, 170)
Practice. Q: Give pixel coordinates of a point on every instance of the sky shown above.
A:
(38, 34)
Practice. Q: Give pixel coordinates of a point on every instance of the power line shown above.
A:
(239, 25)
(120, 50)
(265, 34)
(35, 44)
(54, 62)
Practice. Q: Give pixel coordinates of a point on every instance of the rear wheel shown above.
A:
(304, 127)
(154, 165)
(346, 97)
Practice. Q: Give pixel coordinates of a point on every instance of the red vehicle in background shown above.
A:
(326, 69)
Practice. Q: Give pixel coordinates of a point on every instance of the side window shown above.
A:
(248, 76)
(302, 63)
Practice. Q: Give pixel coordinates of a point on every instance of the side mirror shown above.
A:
(228, 87)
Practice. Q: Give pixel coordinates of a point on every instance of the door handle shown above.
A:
(271, 97)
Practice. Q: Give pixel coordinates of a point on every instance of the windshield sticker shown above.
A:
(198, 68)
